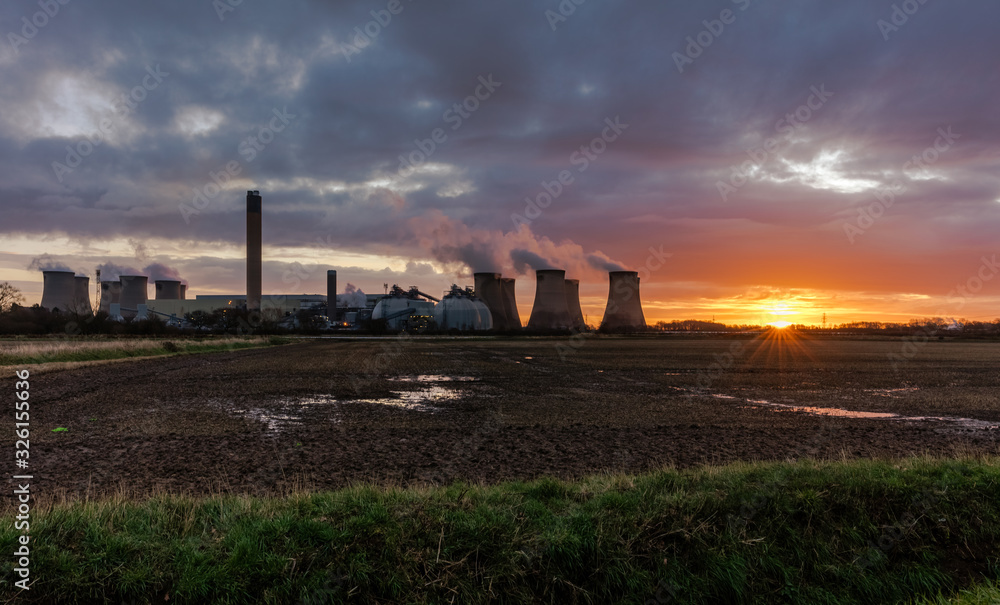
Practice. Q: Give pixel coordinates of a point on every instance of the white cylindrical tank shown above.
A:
(134, 293)
(59, 290)
(397, 310)
(460, 310)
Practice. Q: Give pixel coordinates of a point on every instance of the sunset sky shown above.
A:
(727, 150)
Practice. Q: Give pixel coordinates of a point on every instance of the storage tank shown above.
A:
(488, 290)
(462, 310)
(510, 303)
(550, 311)
(399, 306)
(573, 304)
(110, 294)
(134, 293)
(59, 290)
(167, 289)
(624, 310)
(81, 302)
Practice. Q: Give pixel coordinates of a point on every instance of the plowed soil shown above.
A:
(325, 413)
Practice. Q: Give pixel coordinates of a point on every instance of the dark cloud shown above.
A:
(329, 170)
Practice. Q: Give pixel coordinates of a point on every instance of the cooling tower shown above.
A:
(254, 254)
(331, 295)
(624, 310)
(167, 289)
(59, 290)
(573, 304)
(133, 294)
(488, 290)
(81, 302)
(509, 303)
(184, 291)
(111, 292)
(549, 311)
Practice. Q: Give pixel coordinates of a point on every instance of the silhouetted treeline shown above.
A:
(937, 326)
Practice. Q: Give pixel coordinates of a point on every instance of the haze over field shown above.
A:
(732, 152)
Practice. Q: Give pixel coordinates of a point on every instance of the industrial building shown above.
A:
(405, 309)
(624, 309)
(490, 305)
(462, 310)
(550, 311)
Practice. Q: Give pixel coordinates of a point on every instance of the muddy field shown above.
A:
(324, 413)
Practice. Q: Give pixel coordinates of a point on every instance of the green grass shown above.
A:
(986, 594)
(28, 352)
(746, 533)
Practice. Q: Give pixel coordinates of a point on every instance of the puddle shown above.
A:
(275, 421)
(417, 401)
(954, 421)
(287, 412)
(835, 412)
(433, 378)
(891, 392)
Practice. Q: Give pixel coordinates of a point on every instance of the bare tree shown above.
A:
(9, 295)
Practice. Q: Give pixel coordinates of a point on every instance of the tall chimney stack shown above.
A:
(254, 254)
(331, 295)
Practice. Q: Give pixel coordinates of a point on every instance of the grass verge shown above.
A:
(856, 531)
(35, 352)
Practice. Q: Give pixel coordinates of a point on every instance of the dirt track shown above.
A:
(260, 420)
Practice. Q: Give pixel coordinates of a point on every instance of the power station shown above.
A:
(489, 305)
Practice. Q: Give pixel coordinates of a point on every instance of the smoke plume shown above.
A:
(602, 262)
(110, 271)
(523, 259)
(466, 250)
(352, 297)
(47, 263)
(159, 271)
